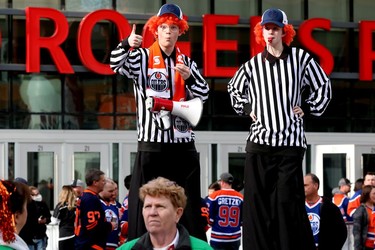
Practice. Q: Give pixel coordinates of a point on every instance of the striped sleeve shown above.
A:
(199, 87)
(238, 88)
(320, 88)
(125, 61)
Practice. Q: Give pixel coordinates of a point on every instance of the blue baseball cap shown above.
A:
(170, 8)
(275, 16)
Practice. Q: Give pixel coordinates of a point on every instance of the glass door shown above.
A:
(84, 156)
(333, 162)
(38, 164)
(231, 158)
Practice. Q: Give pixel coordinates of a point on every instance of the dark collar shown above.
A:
(173, 55)
(272, 59)
(144, 242)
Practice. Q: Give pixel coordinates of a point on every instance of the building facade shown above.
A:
(62, 112)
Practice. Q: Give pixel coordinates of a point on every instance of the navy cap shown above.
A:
(226, 177)
(21, 180)
(170, 8)
(275, 16)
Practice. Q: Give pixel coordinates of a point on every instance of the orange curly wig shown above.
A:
(154, 22)
(287, 39)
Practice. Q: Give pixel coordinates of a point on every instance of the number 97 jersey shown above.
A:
(225, 215)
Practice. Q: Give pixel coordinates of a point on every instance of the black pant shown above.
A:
(177, 162)
(226, 245)
(67, 244)
(274, 215)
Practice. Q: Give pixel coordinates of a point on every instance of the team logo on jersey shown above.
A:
(314, 222)
(158, 82)
(111, 216)
(156, 60)
(181, 125)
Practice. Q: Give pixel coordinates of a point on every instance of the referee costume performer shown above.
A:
(163, 71)
(268, 88)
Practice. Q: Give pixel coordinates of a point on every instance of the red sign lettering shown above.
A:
(84, 37)
(34, 42)
(211, 45)
(306, 39)
(366, 53)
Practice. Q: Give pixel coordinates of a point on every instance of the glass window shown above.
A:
(21, 4)
(87, 5)
(292, 8)
(4, 48)
(363, 10)
(193, 8)
(243, 8)
(323, 8)
(41, 94)
(342, 54)
(131, 6)
(236, 168)
(3, 3)
(84, 161)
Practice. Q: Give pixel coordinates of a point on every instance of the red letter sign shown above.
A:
(306, 39)
(211, 45)
(366, 53)
(34, 42)
(84, 37)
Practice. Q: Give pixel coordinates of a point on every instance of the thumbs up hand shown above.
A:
(134, 40)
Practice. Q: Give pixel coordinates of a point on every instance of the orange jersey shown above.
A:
(354, 202)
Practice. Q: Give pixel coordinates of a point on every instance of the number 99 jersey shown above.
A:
(225, 215)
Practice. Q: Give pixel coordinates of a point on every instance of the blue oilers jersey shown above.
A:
(111, 212)
(225, 215)
(313, 213)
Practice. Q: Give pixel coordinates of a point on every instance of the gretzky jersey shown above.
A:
(354, 202)
(313, 213)
(342, 201)
(111, 212)
(225, 215)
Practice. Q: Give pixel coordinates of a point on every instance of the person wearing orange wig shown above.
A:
(268, 88)
(166, 144)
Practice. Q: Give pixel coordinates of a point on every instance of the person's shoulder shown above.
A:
(5, 247)
(128, 245)
(198, 244)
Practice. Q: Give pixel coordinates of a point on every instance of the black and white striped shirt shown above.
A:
(134, 65)
(271, 87)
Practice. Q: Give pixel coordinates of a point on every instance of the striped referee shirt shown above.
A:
(134, 65)
(271, 87)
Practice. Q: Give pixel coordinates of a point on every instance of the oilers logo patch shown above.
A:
(314, 222)
(111, 216)
(181, 125)
(158, 82)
